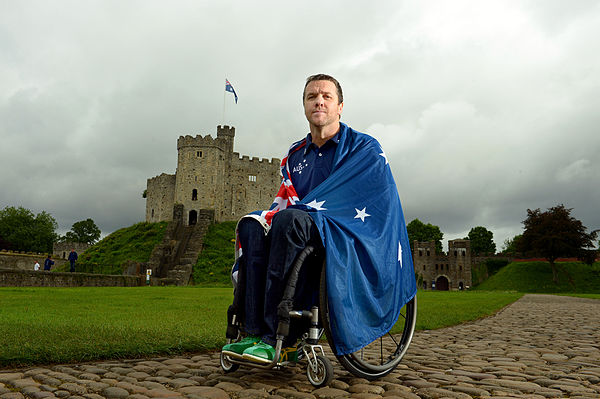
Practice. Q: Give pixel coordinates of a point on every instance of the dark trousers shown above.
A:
(72, 265)
(268, 260)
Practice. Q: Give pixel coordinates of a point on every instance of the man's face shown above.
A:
(321, 105)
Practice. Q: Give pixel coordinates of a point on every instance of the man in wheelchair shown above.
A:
(338, 196)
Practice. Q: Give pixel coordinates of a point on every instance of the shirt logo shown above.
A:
(298, 168)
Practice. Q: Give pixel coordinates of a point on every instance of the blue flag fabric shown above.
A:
(229, 88)
(357, 210)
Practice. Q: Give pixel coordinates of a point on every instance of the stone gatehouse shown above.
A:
(210, 175)
(445, 271)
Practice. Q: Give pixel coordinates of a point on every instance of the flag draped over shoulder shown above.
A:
(229, 88)
(358, 213)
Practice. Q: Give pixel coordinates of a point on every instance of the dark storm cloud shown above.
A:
(485, 109)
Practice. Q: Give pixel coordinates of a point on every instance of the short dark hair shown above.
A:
(322, 76)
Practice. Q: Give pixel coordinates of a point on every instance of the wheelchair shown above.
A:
(375, 360)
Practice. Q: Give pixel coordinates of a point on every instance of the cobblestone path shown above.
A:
(541, 346)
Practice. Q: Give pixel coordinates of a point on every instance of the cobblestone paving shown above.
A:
(539, 347)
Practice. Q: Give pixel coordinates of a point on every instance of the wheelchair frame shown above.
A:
(366, 363)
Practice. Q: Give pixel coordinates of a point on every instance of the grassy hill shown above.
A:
(111, 254)
(574, 277)
(214, 263)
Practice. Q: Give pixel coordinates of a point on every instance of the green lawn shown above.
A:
(47, 325)
(61, 325)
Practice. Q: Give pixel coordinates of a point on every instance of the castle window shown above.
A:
(420, 253)
(152, 212)
(436, 266)
(428, 252)
(199, 154)
(423, 267)
(455, 253)
(460, 268)
(251, 178)
(194, 195)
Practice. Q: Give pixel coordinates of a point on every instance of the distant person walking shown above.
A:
(48, 263)
(72, 259)
(36, 267)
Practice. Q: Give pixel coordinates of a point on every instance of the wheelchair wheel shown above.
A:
(226, 365)
(381, 356)
(322, 374)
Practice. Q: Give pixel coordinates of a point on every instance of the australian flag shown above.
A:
(357, 210)
(229, 88)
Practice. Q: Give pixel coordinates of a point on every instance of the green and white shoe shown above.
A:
(236, 349)
(264, 353)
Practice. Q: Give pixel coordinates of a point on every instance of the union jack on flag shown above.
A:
(229, 88)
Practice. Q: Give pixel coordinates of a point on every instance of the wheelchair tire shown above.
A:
(324, 373)
(381, 356)
(226, 365)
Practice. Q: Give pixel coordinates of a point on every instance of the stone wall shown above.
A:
(252, 186)
(62, 250)
(17, 261)
(160, 195)
(29, 278)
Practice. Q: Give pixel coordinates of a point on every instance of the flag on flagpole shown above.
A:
(229, 88)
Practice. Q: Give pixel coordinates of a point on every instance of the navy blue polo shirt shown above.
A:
(311, 165)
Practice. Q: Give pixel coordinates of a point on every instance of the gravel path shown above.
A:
(541, 346)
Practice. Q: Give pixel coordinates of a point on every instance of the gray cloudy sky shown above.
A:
(485, 108)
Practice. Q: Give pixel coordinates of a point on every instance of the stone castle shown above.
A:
(451, 271)
(211, 176)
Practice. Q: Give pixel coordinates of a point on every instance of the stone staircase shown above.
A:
(173, 259)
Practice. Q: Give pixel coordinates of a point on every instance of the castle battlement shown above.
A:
(246, 158)
(225, 130)
(201, 141)
(161, 177)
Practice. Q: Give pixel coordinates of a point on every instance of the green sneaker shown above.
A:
(261, 352)
(264, 353)
(236, 349)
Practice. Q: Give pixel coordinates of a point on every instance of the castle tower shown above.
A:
(459, 258)
(200, 176)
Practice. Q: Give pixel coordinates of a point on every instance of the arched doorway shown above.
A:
(461, 286)
(193, 217)
(441, 284)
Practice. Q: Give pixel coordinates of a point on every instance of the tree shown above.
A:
(481, 241)
(84, 231)
(553, 234)
(419, 231)
(21, 230)
(511, 245)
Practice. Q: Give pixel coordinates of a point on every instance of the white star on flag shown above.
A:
(400, 254)
(317, 205)
(384, 157)
(362, 214)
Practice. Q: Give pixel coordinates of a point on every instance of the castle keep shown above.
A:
(210, 175)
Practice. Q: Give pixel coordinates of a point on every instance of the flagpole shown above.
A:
(223, 119)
